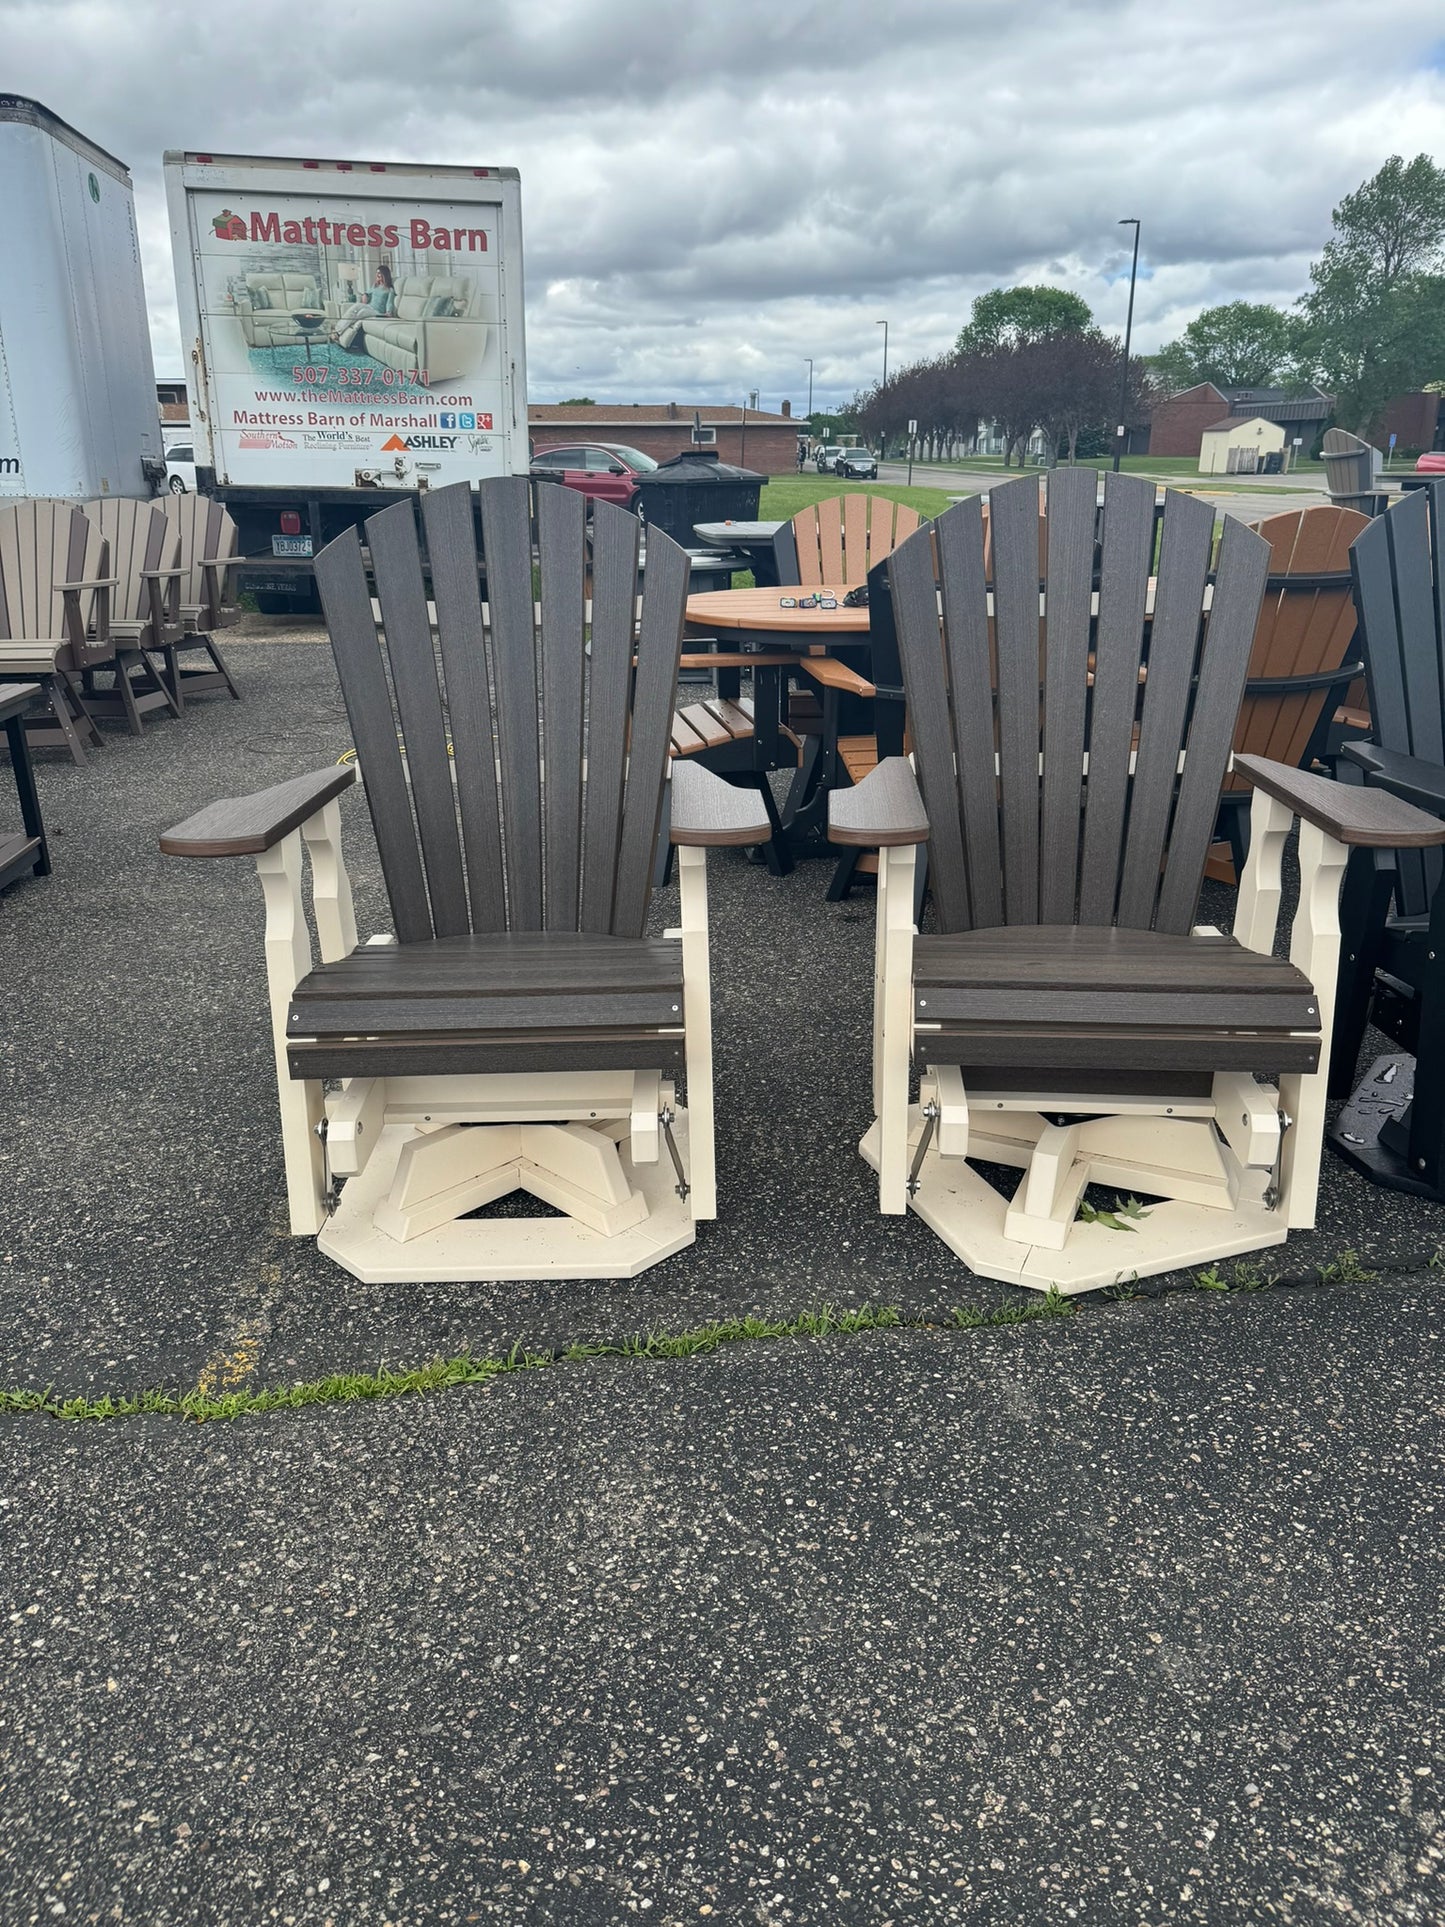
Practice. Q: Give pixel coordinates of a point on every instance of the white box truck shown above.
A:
(78, 411)
(353, 332)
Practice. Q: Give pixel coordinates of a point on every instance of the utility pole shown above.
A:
(1128, 332)
(883, 433)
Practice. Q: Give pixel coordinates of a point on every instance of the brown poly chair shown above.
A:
(206, 557)
(55, 587)
(144, 610)
(1066, 1015)
(519, 1030)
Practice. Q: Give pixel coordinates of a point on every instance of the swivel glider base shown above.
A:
(1059, 1250)
(400, 1219)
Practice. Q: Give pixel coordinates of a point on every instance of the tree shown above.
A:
(1244, 344)
(1076, 379)
(577, 401)
(1374, 318)
(1013, 317)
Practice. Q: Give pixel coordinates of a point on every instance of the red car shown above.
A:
(1431, 465)
(607, 471)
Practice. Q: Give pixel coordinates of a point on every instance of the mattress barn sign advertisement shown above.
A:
(360, 339)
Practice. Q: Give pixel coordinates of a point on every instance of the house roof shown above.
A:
(610, 414)
(1300, 408)
(1234, 421)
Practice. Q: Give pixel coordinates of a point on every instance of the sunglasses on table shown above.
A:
(807, 602)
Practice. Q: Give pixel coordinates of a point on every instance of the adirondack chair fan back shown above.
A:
(54, 615)
(1067, 1017)
(518, 1031)
(1393, 975)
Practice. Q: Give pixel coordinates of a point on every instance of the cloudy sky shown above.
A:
(711, 194)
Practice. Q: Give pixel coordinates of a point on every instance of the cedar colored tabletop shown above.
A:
(756, 611)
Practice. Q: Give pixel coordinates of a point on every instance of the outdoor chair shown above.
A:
(1393, 973)
(518, 1031)
(1298, 671)
(55, 589)
(144, 610)
(206, 558)
(842, 542)
(1066, 1015)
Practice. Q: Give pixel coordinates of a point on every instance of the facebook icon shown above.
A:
(445, 420)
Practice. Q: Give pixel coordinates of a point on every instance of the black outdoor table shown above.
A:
(25, 854)
(755, 539)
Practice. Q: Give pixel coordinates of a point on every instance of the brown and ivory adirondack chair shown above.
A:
(1067, 1017)
(519, 1031)
(1298, 670)
(55, 589)
(144, 609)
(205, 557)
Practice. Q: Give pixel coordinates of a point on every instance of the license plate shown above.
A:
(290, 545)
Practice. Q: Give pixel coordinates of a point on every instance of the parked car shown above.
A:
(605, 471)
(1429, 464)
(827, 458)
(181, 468)
(857, 465)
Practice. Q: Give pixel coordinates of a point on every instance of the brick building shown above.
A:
(1178, 424)
(767, 443)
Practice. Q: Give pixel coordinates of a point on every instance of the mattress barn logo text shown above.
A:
(314, 231)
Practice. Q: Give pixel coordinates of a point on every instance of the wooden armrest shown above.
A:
(158, 575)
(707, 811)
(100, 582)
(217, 561)
(883, 810)
(247, 825)
(1411, 777)
(731, 659)
(837, 675)
(1370, 818)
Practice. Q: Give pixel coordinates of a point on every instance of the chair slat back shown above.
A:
(139, 539)
(205, 529)
(1305, 628)
(1051, 800)
(42, 544)
(838, 541)
(1399, 587)
(514, 777)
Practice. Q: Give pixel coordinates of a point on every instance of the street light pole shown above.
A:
(1128, 332)
(810, 389)
(883, 433)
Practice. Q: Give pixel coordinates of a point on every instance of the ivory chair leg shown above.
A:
(330, 885)
(288, 958)
(697, 1018)
(1315, 949)
(893, 1021)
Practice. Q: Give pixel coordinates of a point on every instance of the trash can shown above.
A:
(1273, 463)
(696, 487)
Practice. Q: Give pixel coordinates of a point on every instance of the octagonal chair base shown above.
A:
(463, 1249)
(970, 1216)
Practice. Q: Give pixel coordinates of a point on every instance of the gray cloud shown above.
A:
(709, 197)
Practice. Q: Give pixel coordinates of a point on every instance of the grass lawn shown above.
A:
(786, 494)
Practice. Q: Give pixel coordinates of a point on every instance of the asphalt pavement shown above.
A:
(1129, 1616)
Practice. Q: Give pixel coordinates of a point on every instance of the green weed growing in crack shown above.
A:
(445, 1374)
(1346, 1270)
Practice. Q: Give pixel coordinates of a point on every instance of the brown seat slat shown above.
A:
(463, 1054)
(684, 739)
(1114, 1052)
(736, 720)
(528, 963)
(1075, 955)
(698, 717)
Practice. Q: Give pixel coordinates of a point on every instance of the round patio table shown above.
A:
(752, 622)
